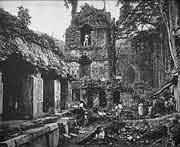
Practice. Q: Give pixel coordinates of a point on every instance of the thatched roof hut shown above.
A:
(39, 50)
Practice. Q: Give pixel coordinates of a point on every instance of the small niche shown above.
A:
(86, 35)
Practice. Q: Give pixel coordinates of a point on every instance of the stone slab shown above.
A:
(8, 143)
(52, 126)
(38, 131)
(22, 139)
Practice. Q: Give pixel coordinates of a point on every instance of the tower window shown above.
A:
(86, 35)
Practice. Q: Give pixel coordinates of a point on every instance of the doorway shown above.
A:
(102, 99)
(75, 95)
(116, 97)
(64, 93)
(48, 96)
(15, 92)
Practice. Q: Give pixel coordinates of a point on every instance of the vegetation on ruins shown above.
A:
(17, 38)
(145, 15)
(89, 14)
(24, 16)
(150, 15)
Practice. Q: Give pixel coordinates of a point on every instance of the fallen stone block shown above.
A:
(8, 143)
(38, 131)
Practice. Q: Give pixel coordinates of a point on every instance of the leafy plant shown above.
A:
(24, 16)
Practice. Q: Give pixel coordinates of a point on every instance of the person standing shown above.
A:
(140, 110)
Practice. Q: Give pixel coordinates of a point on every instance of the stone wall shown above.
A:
(37, 96)
(146, 55)
(1, 96)
(27, 97)
(126, 65)
(73, 40)
(74, 69)
(46, 136)
(48, 95)
(57, 96)
(64, 93)
(99, 70)
(177, 95)
(97, 52)
(126, 99)
(69, 97)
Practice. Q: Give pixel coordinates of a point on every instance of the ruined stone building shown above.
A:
(145, 61)
(34, 77)
(86, 46)
(144, 58)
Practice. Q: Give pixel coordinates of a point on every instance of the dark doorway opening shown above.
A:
(12, 86)
(48, 96)
(86, 30)
(102, 99)
(64, 93)
(116, 97)
(16, 100)
(130, 75)
(89, 99)
(76, 95)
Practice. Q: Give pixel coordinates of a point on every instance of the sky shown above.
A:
(51, 16)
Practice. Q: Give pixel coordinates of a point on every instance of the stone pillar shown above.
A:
(27, 97)
(82, 97)
(32, 96)
(81, 94)
(1, 96)
(109, 98)
(107, 70)
(57, 96)
(177, 95)
(37, 95)
(69, 97)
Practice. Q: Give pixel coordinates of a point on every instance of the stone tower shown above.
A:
(86, 45)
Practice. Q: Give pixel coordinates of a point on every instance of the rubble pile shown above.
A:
(124, 133)
(138, 132)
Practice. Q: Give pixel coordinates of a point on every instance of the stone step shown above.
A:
(73, 134)
(67, 136)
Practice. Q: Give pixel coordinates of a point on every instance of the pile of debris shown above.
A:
(138, 132)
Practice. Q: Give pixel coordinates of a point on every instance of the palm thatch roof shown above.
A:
(38, 49)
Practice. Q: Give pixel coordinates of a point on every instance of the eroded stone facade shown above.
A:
(146, 60)
(96, 50)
